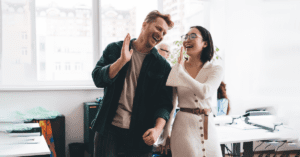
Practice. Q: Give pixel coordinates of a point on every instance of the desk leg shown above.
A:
(236, 150)
(223, 149)
(248, 149)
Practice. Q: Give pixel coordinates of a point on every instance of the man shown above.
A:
(136, 103)
(163, 50)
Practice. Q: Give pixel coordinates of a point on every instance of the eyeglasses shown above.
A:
(191, 36)
(165, 50)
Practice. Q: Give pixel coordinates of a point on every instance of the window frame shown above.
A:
(60, 85)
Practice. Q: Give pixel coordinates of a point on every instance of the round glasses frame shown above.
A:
(191, 36)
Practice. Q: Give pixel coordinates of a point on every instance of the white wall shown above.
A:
(260, 44)
(67, 102)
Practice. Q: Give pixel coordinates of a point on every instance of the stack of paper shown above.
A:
(16, 133)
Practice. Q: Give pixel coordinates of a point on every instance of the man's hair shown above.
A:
(153, 15)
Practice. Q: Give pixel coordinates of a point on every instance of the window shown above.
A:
(42, 43)
(24, 35)
(58, 49)
(24, 51)
(42, 47)
(78, 66)
(57, 66)
(67, 66)
(37, 36)
(42, 66)
(120, 17)
(54, 41)
(18, 61)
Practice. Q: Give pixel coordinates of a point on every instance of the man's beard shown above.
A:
(148, 45)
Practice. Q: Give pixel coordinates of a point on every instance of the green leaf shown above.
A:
(217, 49)
(217, 57)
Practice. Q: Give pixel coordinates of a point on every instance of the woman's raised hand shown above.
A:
(180, 58)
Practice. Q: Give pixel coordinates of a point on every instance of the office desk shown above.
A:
(230, 134)
(26, 149)
(23, 144)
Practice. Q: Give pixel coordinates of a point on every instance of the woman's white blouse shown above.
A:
(202, 87)
(193, 93)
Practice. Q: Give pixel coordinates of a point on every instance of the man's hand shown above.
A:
(150, 136)
(125, 57)
(125, 53)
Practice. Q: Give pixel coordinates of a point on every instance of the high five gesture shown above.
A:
(125, 53)
(124, 58)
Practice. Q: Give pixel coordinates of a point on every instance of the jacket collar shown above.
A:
(153, 51)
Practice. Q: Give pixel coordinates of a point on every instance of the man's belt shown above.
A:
(198, 112)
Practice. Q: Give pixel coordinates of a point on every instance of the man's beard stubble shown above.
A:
(148, 45)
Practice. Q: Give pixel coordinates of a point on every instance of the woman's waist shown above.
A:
(185, 118)
(197, 111)
(194, 103)
(194, 106)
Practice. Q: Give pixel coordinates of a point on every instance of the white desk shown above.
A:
(22, 146)
(231, 134)
(40, 148)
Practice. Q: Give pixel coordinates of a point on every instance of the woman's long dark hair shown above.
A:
(207, 52)
(222, 94)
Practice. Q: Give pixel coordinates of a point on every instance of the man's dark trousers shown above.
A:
(114, 144)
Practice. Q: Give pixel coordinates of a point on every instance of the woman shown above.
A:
(223, 101)
(195, 80)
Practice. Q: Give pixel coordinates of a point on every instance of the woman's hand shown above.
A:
(180, 58)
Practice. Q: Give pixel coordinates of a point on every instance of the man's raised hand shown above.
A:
(125, 53)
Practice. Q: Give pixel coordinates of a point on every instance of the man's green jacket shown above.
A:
(153, 99)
